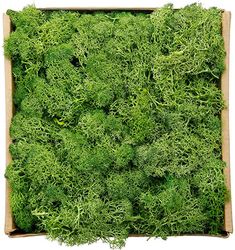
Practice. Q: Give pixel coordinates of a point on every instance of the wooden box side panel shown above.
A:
(228, 224)
(9, 222)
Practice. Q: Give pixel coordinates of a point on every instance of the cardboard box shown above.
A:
(10, 227)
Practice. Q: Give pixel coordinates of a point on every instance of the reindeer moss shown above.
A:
(117, 127)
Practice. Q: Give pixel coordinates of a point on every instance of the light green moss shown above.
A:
(117, 127)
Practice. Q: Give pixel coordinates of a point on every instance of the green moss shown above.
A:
(172, 211)
(117, 127)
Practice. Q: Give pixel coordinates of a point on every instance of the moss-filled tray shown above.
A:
(117, 123)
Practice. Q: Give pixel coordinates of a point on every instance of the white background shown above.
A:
(186, 242)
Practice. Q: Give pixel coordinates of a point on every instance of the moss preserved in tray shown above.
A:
(117, 126)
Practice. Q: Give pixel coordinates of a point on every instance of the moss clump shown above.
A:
(117, 126)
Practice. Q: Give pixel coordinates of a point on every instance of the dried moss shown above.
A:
(117, 127)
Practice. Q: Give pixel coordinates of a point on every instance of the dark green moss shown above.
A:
(117, 125)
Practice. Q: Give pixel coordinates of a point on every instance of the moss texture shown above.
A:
(117, 127)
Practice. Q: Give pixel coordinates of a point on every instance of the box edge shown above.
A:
(226, 17)
(9, 222)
